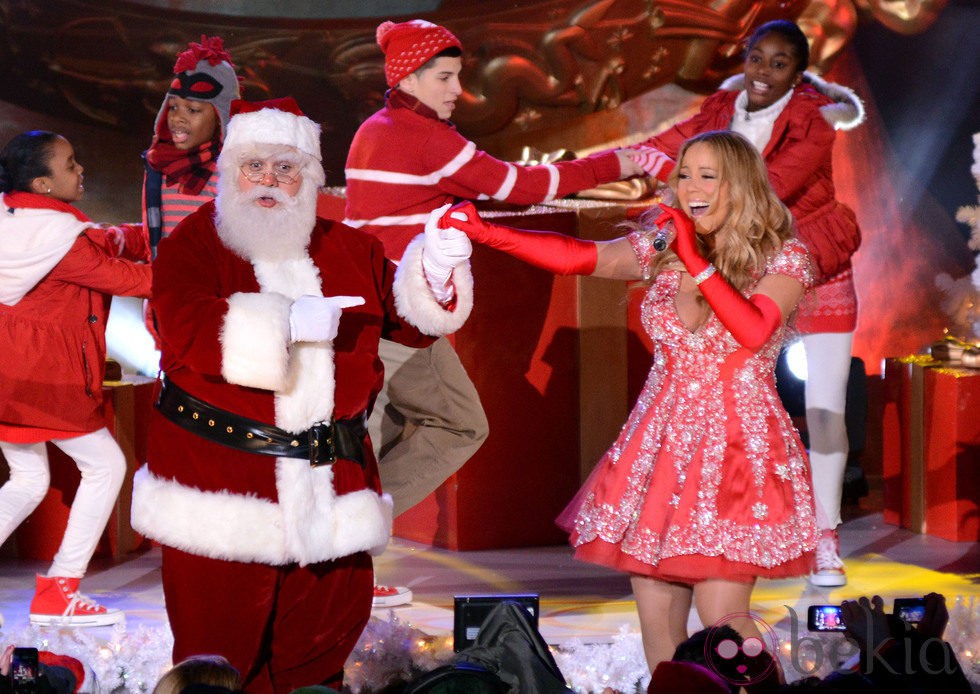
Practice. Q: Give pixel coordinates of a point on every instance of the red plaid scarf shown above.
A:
(191, 169)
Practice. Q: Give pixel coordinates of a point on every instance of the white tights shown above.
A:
(103, 467)
(828, 364)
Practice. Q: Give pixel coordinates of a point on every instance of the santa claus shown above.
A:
(261, 483)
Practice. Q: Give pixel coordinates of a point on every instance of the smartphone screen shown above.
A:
(824, 618)
(23, 671)
(910, 610)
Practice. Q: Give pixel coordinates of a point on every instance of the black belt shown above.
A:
(321, 444)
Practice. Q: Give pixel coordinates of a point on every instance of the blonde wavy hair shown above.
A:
(758, 222)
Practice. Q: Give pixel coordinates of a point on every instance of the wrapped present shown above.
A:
(931, 447)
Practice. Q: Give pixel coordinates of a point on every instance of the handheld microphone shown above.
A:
(665, 231)
(663, 237)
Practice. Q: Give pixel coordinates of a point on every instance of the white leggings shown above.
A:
(103, 467)
(828, 364)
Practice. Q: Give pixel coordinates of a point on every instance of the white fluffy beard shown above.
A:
(262, 233)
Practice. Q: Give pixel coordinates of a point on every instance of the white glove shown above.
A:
(317, 318)
(443, 250)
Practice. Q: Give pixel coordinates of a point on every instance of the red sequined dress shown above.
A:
(708, 477)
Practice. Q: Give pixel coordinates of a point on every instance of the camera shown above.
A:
(910, 610)
(824, 618)
(469, 611)
(23, 671)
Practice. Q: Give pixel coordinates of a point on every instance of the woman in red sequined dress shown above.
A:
(707, 487)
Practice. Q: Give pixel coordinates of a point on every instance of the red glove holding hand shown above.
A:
(557, 253)
(751, 321)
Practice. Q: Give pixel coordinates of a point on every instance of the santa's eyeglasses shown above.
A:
(283, 171)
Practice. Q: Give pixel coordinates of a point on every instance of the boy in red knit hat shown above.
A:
(405, 161)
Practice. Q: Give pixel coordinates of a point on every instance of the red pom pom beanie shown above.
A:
(410, 45)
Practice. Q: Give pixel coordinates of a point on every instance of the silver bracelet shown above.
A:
(704, 274)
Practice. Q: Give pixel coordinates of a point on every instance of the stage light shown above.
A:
(796, 359)
(127, 339)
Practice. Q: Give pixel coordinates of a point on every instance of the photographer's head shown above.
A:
(208, 670)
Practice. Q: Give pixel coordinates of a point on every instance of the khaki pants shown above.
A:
(427, 420)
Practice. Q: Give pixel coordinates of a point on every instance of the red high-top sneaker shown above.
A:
(829, 571)
(57, 601)
(390, 596)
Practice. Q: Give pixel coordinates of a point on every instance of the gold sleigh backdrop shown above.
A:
(544, 75)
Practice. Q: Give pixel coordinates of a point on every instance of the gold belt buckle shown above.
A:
(323, 444)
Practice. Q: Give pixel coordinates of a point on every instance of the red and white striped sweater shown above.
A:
(176, 205)
(405, 162)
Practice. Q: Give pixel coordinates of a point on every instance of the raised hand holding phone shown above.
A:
(23, 670)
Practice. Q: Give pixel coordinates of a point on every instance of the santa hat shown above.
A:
(203, 72)
(272, 122)
(410, 45)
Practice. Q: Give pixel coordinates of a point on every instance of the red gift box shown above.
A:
(931, 447)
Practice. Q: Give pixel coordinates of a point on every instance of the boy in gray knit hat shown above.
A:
(187, 136)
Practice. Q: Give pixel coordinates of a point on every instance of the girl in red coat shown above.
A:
(791, 117)
(58, 272)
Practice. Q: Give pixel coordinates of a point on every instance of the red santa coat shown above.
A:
(224, 325)
(798, 157)
(405, 162)
(56, 285)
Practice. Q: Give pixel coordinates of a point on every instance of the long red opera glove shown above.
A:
(548, 250)
(751, 321)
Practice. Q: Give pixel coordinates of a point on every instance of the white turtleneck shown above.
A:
(757, 125)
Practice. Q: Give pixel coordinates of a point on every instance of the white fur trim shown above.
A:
(305, 396)
(235, 527)
(255, 340)
(414, 300)
(735, 83)
(273, 127)
(846, 113)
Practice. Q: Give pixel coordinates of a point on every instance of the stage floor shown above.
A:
(587, 612)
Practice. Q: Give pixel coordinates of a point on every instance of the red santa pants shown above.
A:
(283, 627)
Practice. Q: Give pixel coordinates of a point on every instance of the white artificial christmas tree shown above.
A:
(962, 302)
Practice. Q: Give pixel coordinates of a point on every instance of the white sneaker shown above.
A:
(390, 596)
(829, 571)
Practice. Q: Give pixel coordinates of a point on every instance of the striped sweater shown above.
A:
(176, 205)
(405, 162)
